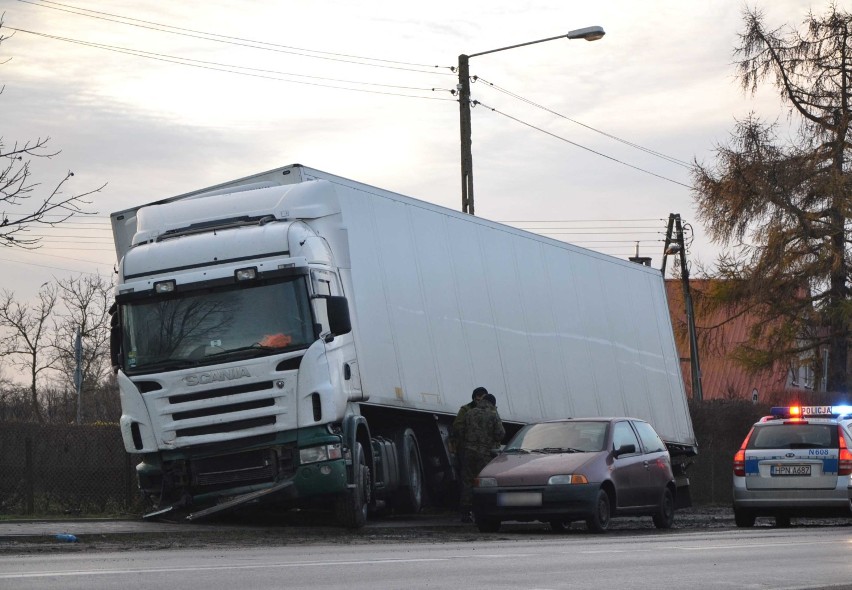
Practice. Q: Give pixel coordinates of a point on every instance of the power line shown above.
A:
(671, 159)
(530, 125)
(231, 40)
(222, 68)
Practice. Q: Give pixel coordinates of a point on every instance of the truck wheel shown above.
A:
(743, 518)
(352, 505)
(410, 497)
(664, 517)
(598, 521)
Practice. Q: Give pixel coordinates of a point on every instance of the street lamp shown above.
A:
(587, 33)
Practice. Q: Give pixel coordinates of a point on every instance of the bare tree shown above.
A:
(19, 214)
(786, 204)
(24, 338)
(86, 300)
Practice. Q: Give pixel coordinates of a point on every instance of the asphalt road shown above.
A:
(708, 558)
(258, 527)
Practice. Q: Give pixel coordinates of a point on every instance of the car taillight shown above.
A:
(739, 458)
(844, 465)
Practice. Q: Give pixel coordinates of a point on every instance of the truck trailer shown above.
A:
(300, 338)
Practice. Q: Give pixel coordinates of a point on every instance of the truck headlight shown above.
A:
(321, 453)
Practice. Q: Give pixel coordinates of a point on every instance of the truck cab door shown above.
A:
(332, 311)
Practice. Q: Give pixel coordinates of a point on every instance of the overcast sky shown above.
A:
(281, 82)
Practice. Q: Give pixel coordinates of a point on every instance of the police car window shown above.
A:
(794, 436)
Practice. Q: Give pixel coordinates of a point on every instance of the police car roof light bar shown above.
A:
(814, 411)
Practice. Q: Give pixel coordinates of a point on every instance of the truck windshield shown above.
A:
(213, 326)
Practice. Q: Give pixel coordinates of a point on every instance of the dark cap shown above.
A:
(478, 392)
(491, 399)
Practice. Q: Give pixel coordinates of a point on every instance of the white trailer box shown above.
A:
(440, 302)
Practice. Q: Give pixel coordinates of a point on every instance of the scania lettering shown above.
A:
(298, 337)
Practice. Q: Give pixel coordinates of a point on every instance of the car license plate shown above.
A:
(519, 499)
(790, 470)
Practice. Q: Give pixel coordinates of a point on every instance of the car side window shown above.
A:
(622, 434)
(650, 440)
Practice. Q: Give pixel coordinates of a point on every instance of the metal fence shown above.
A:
(56, 469)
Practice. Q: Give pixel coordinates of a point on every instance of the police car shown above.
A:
(796, 462)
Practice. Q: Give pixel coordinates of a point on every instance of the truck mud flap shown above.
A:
(239, 501)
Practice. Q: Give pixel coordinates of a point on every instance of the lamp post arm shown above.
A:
(513, 46)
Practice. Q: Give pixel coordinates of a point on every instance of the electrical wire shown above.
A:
(223, 68)
(671, 159)
(575, 144)
(327, 55)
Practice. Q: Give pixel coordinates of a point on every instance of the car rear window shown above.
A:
(794, 436)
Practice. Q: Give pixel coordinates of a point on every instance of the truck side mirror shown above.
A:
(339, 321)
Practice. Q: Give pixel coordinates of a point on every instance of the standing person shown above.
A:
(482, 431)
(458, 423)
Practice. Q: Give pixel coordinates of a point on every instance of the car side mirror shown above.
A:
(625, 450)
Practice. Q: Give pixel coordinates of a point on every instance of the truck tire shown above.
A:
(665, 515)
(409, 498)
(352, 505)
(598, 521)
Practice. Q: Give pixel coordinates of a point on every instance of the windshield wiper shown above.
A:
(516, 450)
(168, 364)
(254, 348)
(559, 450)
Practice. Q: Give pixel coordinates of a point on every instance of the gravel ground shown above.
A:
(262, 528)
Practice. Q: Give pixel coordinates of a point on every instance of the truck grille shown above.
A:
(226, 410)
(239, 468)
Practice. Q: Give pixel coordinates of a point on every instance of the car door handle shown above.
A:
(647, 465)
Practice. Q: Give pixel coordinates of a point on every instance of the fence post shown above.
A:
(30, 474)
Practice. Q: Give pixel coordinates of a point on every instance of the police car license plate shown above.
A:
(790, 470)
(519, 499)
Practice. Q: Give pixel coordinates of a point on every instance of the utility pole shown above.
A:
(464, 118)
(676, 245)
(78, 374)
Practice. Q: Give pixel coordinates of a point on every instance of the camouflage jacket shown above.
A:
(482, 429)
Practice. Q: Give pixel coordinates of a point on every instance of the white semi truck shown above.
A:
(299, 337)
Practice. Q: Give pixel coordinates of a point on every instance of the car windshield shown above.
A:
(794, 436)
(567, 437)
(216, 325)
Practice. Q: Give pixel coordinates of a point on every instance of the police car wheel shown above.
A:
(743, 518)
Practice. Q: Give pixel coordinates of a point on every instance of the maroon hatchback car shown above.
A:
(587, 469)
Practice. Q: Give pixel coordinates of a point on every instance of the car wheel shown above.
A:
(598, 521)
(488, 525)
(664, 518)
(560, 526)
(782, 521)
(743, 518)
